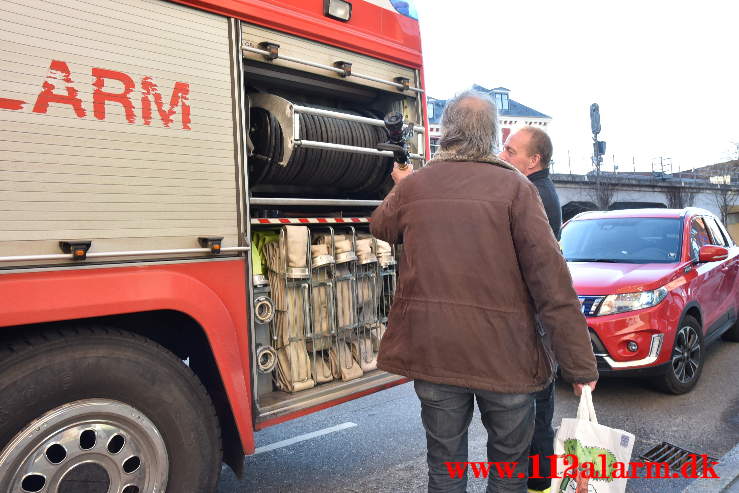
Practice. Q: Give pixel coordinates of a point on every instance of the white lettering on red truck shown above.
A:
(58, 88)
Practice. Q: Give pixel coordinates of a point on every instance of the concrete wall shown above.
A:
(733, 224)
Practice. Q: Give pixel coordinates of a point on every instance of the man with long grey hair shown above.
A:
(479, 263)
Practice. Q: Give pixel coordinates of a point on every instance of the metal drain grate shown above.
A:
(675, 457)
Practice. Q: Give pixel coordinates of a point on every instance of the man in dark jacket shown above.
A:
(479, 264)
(530, 150)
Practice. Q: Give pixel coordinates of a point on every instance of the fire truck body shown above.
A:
(146, 146)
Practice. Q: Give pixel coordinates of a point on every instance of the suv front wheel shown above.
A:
(686, 362)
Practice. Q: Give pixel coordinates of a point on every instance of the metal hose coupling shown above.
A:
(264, 309)
(266, 358)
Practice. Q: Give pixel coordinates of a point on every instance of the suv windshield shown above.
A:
(623, 240)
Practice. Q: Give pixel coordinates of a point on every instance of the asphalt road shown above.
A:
(385, 450)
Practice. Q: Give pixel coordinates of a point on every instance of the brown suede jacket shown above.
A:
(479, 261)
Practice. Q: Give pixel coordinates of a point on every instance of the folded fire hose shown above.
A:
(321, 298)
(321, 310)
(326, 321)
(343, 364)
(293, 372)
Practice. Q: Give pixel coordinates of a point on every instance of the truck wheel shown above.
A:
(104, 409)
(686, 361)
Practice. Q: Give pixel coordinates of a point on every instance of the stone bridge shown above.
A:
(577, 193)
(626, 191)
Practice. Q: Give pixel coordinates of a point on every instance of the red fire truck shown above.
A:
(185, 254)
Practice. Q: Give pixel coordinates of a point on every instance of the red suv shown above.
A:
(656, 286)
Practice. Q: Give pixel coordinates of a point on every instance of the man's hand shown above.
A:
(399, 174)
(577, 387)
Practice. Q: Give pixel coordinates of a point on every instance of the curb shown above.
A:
(728, 480)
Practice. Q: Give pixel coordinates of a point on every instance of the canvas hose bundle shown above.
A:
(344, 279)
(367, 303)
(290, 297)
(321, 297)
(376, 337)
(322, 309)
(326, 321)
(384, 251)
(321, 367)
(362, 352)
(367, 282)
(343, 364)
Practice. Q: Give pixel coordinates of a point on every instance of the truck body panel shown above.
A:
(130, 184)
(122, 130)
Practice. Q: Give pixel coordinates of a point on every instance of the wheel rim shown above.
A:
(686, 356)
(82, 437)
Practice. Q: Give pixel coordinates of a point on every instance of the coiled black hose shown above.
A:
(317, 168)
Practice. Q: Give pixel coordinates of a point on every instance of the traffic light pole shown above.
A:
(598, 148)
(597, 162)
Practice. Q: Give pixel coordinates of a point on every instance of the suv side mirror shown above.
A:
(712, 253)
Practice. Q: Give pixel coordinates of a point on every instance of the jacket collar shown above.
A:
(539, 175)
(450, 156)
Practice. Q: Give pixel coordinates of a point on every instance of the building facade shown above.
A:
(512, 115)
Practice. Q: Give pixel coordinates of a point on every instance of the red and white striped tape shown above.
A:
(311, 220)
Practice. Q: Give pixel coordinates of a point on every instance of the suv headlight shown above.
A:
(627, 302)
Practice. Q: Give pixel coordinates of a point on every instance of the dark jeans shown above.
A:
(543, 442)
(446, 412)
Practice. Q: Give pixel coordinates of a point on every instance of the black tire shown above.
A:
(85, 366)
(732, 335)
(686, 361)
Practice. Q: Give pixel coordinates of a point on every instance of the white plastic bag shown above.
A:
(598, 448)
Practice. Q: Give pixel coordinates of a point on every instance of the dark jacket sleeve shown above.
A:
(548, 280)
(385, 221)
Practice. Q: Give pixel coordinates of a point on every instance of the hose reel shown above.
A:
(303, 146)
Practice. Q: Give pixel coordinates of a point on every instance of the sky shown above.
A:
(664, 73)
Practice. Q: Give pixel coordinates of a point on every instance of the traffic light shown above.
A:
(595, 118)
(601, 147)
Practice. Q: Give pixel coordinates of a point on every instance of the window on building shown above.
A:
(501, 100)
(430, 109)
(434, 145)
(504, 134)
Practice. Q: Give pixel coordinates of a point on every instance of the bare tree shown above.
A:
(726, 192)
(679, 197)
(725, 197)
(602, 191)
